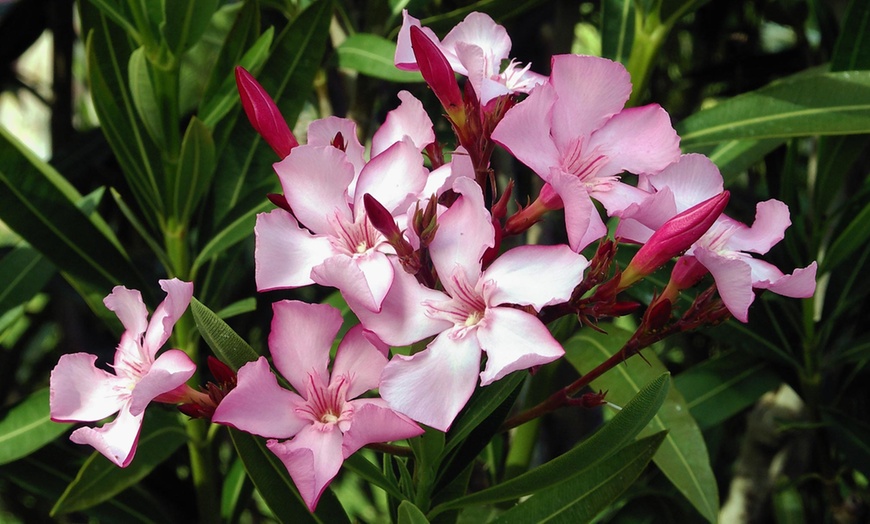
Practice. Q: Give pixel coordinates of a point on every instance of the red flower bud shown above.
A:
(264, 114)
(674, 237)
(438, 74)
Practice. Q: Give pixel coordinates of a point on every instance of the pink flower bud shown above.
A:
(437, 72)
(674, 237)
(264, 114)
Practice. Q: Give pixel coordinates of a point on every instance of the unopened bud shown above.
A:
(264, 114)
(438, 74)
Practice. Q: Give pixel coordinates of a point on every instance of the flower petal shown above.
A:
(131, 310)
(285, 253)
(733, 278)
(433, 386)
(313, 459)
(374, 421)
(364, 279)
(324, 131)
(771, 221)
(582, 220)
(692, 179)
(480, 30)
(116, 440)
(359, 358)
(408, 120)
(394, 178)
(178, 295)
(301, 338)
(259, 405)
(514, 340)
(81, 392)
(525, 131)
(171, 369)
(534, 276)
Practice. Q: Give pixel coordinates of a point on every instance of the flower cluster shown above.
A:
(416, 250)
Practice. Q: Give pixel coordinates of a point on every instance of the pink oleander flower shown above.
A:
(574, 133)
(475, 48)
(82, 392)
(314, 429)
(489, 311)
(326, 236)
(725, 249)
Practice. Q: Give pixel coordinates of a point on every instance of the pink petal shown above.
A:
(534, 276)
(692, 179)
(323, 132)
(374, 421)
(619, 197)
(364, 279)
(478, 29)
(131, 311)
(394, 178)
(285, 253)
(442, 179)
(514, 340)
(589, 90)
(360, 359)
(733, 278)
(408, 120)
(800, 284)
(301, 338)
(313, 459)
(404, 57)
(259, 405)
(433, 386)
(639, 221)
(402, 319)
(178, 295)
(477, 67)
(79, 391)
(638, 140)
(582, 220)
(315, 181)
(116, 440)
(771, 221)
(464, 233)
(525, 131)
(171, 369)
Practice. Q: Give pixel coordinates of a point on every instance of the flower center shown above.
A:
(354, 238)
(326, 406)
(585, 165)
(465, 309)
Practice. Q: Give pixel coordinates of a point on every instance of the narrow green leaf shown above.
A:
(226, 344)
(27, 427)
(611, 437)
(683, 456)
(372, 56)
(184, 22)
(806, 104)
(370, 473)
(723, 386)
(736, 156)
(39, 210)
(617, 29)
(853, 237)
(235, 488)
(115, 11)
(239, 307)
(236, 231)
(195, 169)
(411, 514)
(673, 10)
(580, 498)
(27, 272)
(99, 479)
(244, 31)
(142, 93)
(852, 50)
(480, 406)
(133, 218)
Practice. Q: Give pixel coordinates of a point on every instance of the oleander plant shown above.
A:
(434, 261)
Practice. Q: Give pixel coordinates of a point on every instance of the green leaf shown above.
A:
(226, 344)
(27, 272)
(27, 427)
(736, 156)
(184, 23)
(617, 29)
(411, 514)
(853, 237)
(683, 456)
(580, 498)
(239, 307)
(244, 167)
(372, 56)
(115, 11)
(234, 232)
(35, 203)
(99, 479)
(195, 169)
(142, 93)
(371, 474)
(243, 33)
(235, 488)
(722, 387)
(806, 104)
(613, 436)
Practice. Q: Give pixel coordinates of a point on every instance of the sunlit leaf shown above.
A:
(27, 427)
(372, 55)
(226, 344)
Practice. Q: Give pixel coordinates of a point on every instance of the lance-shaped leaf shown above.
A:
(372, 55)
(617, 29)
(99, 479)
(27, 273)
(227, 345)
(195, 169)
(39, 205)
(683, 456)
(27, 427)
(411, 514)
(184, 23)
(580, 498)
(801, 105)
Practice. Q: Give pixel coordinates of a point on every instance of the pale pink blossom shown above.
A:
(315, 428)
(725, 249)
(82, 392)
(475, 48)
(489, 311)
(574, 133)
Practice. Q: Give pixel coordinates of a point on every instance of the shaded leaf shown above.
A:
(195, 169)
(26, 272)
(852, 437)
(27, 427)
(226, 344)
(184, 23)
(372, 56)
(617, 29)
(411, 514)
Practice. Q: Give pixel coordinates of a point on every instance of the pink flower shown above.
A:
(574, 133)
(475, 48)
(489, 311)
(725, 249)
(323, 422)
(81, 392)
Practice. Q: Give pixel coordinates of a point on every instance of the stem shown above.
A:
(202, 467)
(649, 36)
